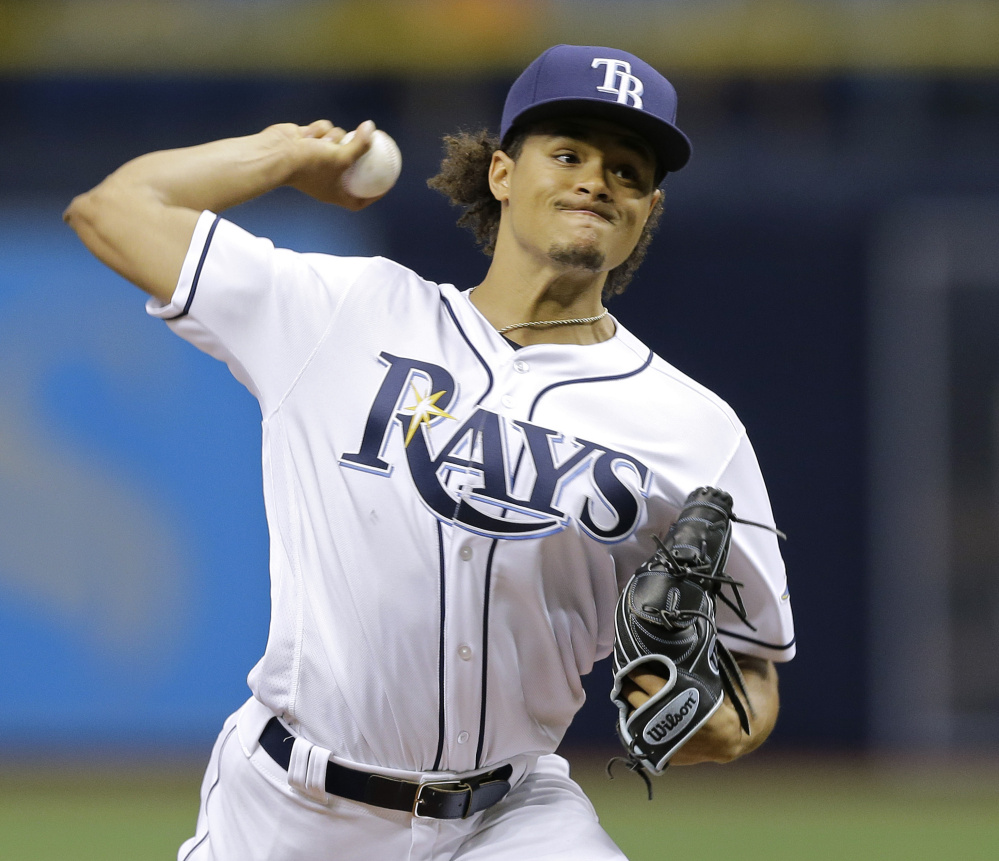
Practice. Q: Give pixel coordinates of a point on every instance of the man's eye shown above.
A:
(567, 157)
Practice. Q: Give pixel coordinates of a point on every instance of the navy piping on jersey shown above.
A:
(471, 346)
(766, 645)
(211, 789)
(489, 561)
(485, 653)
(440, 654)
(492, 549)
(546, 390)
(197, 272)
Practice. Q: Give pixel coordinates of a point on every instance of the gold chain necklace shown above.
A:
(573, 322)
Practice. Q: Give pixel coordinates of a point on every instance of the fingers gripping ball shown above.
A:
(377, 170)
(665, 625)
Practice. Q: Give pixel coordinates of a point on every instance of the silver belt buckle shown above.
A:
(458, 784)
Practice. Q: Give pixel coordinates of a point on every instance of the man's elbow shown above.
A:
(87, 214)
(79, 212)
(126, 225)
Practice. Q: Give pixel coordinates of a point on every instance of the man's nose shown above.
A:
(593, 179)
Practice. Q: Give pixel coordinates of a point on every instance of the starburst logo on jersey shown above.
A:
(423, 411)
(490, 474)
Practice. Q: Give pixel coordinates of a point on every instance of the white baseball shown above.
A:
(376, 171)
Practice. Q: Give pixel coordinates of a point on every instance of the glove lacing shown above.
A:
(632, 763)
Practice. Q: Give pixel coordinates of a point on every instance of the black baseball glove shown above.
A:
(665, 625)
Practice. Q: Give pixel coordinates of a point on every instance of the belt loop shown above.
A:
(315, 777)
(298, 767)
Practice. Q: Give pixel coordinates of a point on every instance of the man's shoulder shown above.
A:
(673, 385)
(240, 244)
(373, 277)
(375, 267)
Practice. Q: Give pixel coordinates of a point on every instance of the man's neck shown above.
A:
(508, 296)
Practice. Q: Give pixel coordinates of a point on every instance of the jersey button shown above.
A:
(521, 367)
(507, 401)
(465, 652)
(462, 737)
(465, 553)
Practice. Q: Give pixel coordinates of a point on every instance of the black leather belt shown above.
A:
(445, 799)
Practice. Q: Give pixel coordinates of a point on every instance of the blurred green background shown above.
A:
(776, 808)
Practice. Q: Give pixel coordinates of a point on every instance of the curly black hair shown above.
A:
(464, 180)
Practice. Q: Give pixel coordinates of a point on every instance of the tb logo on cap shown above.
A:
(629, 88)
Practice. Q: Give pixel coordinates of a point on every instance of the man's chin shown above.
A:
(580, 256)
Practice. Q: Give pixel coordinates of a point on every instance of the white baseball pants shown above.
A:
(250, 813)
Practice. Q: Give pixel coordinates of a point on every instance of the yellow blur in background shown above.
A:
(360, 37)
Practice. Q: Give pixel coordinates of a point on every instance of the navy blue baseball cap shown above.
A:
(604, 82)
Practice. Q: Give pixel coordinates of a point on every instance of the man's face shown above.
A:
(579, 193)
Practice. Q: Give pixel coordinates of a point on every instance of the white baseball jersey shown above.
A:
(451, 519)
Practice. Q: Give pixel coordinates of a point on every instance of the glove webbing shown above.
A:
(731, 675)
(700, 571)
(700, 567)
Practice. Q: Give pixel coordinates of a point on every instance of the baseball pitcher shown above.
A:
(473, 492)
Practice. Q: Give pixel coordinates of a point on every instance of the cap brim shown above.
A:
(671, 146)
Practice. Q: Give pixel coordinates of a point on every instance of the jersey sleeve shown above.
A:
(262, 310)
(755, 561)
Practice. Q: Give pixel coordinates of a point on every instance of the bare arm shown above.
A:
(139, 221)
(721, 739)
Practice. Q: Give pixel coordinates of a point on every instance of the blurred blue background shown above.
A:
(827, 263)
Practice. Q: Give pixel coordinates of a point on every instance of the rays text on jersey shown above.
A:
(491, 474)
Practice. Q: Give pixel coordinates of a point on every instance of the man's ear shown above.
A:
(500, 169)
(657, 195)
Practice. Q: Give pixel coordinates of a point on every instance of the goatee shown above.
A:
(578, 256)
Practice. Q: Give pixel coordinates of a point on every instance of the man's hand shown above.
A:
(721, 739)
(320, 159)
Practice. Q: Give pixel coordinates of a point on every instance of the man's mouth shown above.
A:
(601, 213)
